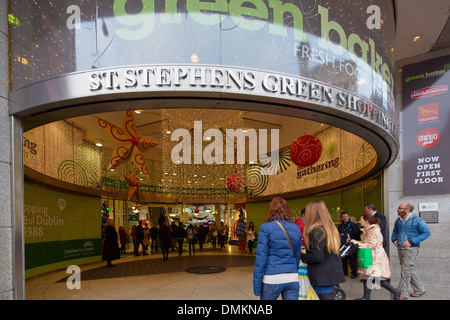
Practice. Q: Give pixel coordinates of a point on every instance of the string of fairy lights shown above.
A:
(208, 179)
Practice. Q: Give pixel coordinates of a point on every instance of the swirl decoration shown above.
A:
(365, 155)
(305, 151)
(88, 158)
(131, 146)
(71, 171)
(276, 164)
(257, 182)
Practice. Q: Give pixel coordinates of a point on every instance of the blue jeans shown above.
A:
(288, 291)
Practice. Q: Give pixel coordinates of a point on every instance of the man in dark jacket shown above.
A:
(154, 235)
(348, 230)
(179, 234)
(139, 238)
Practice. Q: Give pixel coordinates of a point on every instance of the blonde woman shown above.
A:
(322, 250)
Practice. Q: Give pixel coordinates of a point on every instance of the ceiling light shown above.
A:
(112, 169)
(138, 111)
(99, 143)
(194, 58)
(416, 38)
(168, 132)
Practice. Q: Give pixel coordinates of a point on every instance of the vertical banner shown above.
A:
(426, 127)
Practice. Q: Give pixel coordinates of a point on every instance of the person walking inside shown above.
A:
(250, 237)
(139, 239)
(221, 231)
(348, 230)
(123, 239)
(409, 231)
(201, 234)
(154, 235)
(277, 255)
(165, 238)
(213, 234)
(379, 271)
(179, 234)
(111, 246)
(191, 237)
(322, 250)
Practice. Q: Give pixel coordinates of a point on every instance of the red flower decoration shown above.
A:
(235, 183)
(305, 151)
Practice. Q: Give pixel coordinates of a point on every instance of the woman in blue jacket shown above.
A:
(276, 264)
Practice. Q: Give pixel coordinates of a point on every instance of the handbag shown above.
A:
(306, 291)
(365, 258)
(347, 249)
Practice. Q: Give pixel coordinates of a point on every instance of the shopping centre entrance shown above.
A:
(82, 171)
(192, 112)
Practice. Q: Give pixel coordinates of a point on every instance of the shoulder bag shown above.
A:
(287, 237)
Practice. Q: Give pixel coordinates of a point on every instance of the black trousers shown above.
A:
(352, 260)
(180, 245)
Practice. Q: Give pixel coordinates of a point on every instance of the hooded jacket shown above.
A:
(273, 253)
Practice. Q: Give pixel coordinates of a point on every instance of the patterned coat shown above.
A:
(372, 238)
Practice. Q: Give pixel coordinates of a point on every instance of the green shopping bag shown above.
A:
(365, 258)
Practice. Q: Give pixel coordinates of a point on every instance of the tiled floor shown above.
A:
(150, 278)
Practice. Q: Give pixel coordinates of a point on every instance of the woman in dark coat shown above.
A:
(123, 239)
(111, 246)
(165, 238)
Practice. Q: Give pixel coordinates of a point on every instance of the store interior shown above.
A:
(153, 164)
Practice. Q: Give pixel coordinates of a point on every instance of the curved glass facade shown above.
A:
(342, 44)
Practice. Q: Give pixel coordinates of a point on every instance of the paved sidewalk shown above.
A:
(150, 278)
